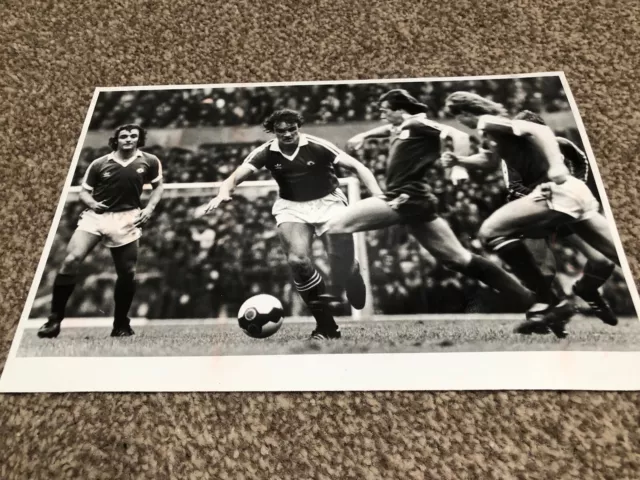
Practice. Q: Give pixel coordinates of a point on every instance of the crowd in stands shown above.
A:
(320, 104)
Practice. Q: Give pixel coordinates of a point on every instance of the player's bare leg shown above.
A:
(502, 233)
(437, 237)
(345, 269)
(596, 272)
(372, 213)
(296, 241)
(80, 245)
(125, 259)
(596, 232)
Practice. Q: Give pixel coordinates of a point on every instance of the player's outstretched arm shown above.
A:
(154, 199)
(365, 175)
(485, 160)
(357, 141)
(228, 186)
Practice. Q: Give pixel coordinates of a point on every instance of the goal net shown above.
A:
(192, 265)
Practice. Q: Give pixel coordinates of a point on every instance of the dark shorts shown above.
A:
(413, 208)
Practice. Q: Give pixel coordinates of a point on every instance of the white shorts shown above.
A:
(115, 228)
(314, 212)
(572, 198)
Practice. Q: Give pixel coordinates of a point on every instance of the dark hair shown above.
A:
(284, 115)
(530, 116)
(472, 103)
(113, 141)
(400, 99)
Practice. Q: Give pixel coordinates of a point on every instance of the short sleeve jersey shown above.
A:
(307, 174)
(119, 184)
(415, 146)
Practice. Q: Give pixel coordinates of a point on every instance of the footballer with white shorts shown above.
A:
(111, 189)
(545, 198)
(309, 196)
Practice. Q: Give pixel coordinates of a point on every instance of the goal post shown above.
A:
(197, 194)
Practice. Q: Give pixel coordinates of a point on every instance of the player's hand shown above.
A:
(99, 207)
(546, 190)
(559, 174)
(355, 143)
(448, 159)
(217, 201)
(142, 217)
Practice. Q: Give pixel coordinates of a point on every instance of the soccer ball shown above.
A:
(261, 316)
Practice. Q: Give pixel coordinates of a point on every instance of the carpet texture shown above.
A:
(52, 56)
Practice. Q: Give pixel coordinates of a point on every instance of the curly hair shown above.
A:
(142, 137)
(459, 102)
(530, 116)
(284, 115)
(400, 99)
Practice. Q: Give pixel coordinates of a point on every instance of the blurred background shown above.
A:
(206, 267)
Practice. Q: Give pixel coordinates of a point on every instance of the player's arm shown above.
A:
(365, 175)
(243, 172)
(154, 177)
(485, 160)
(90, 179)
(145, 214)
(358, 140)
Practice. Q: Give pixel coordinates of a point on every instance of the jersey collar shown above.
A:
(112, 156)
(275, 147)
(408, 118)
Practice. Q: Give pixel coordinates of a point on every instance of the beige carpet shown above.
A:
(54, 53)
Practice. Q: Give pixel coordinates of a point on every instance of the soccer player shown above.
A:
(111, 190)
(544, 197)
(416, 144)
(309, 195)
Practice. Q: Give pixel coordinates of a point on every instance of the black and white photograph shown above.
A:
(435, 233)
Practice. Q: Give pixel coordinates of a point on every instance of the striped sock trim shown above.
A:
(309, 284)
(505, 243)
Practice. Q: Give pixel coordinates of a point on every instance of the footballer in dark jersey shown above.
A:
(416, 143)
(544, 197)
(111, 190)
(303, 166)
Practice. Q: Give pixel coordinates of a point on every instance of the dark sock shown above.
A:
(310, 290)
(63, 286)
(593, 277)
(495, 277)
(123, 296)
(519, 258)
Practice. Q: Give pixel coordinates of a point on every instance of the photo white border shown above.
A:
(553, 370)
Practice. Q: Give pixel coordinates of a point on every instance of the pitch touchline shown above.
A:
(141, 322)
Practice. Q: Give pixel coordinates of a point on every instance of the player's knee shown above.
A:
(71, 263)
(488, 234)
(336, 226)
(456, 263)
(299, 263)
(451, 256)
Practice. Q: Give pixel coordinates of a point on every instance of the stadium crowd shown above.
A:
(319, 104)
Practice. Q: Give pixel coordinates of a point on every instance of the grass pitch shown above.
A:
(397, 336)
